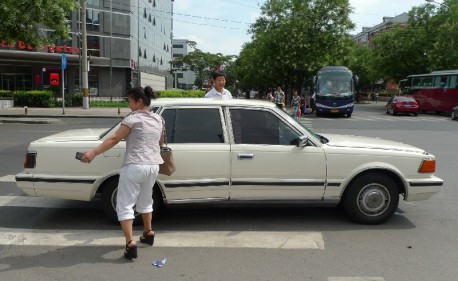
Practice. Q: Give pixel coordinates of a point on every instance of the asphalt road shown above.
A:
(75, 242)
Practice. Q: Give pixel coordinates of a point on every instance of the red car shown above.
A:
(402, 104)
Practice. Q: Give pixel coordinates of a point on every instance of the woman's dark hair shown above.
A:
(139, 93)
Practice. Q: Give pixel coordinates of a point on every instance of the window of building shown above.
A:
(264, 128)
(154, 3)
(180, 75)
(144, 32)
(154, 21)
(144, 13)
(178, 46)
(92, 20)
(177, 55)
(139, 52)
(144, 54)
(93, 45)
(149, 18)
(193, 125)
(154, 58)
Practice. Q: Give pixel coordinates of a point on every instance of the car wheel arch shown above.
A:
(400, 183)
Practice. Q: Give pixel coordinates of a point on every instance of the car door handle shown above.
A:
(245, 156)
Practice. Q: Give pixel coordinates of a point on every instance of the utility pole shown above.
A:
(84, 73)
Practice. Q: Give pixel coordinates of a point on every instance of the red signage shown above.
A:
(50, 48)
(54, 79)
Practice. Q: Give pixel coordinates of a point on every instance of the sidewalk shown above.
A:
(37, 115)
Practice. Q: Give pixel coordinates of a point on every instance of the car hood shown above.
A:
(75, 135)
(369, 143)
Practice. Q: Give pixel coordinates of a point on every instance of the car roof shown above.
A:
(210, 102)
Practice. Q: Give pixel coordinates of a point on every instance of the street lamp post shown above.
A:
(453, 16)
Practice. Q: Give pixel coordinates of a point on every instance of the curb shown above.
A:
(58, 117)
(30, 121)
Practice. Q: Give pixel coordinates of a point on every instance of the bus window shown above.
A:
(453, 82)
(416, 82)
(441, 81)
(427, 81)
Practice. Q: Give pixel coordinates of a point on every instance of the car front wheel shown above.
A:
(371, 199)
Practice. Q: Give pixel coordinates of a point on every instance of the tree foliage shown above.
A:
(426, 44)
(292, 39)
(202, 63)
(21, 19)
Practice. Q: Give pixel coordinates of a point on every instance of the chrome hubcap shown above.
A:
(373, 199)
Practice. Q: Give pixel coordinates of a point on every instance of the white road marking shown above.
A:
(8, 178)
(356, 279)
(182, 239)
(176, 239)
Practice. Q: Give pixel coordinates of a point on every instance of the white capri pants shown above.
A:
(135, 189)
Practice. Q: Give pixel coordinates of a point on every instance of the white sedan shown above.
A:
(241, 151)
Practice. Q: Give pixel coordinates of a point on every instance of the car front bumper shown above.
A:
(423, 189)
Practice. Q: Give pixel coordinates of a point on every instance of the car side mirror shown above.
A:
(302, 141)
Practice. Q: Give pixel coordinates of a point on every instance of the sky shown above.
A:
(220, 26)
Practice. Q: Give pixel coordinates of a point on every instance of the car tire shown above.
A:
(453, 115)
(415, 114)
(109, 201)
(371, 198)
(394, 113)
(348, 115)
(387, 112)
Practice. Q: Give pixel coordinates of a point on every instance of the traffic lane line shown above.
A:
(8, 178)
(178, 239)
(356, 279)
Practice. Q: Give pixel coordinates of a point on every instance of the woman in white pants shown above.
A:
(142, 131)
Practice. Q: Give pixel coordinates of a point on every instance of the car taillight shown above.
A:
(427, 166)
(30, 160)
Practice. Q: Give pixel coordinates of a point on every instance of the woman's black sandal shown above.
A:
(131, 252)
(147, 239)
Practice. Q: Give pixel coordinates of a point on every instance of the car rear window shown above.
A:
(193, 125)
(401, 99)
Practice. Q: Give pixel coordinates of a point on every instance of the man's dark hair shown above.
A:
(217, 74)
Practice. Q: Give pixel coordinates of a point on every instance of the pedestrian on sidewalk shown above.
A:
(279, 97)
(303, 105)
(295, 103)
(142, 131)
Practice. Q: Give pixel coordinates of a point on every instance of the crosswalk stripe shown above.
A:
(8, 178)
(356, 279)
(181, 239)
(196, 239)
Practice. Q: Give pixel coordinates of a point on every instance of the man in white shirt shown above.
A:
(218, 91)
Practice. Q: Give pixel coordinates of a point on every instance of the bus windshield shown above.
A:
(334, 86)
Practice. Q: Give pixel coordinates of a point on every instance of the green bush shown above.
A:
(6, 94)
(109, 104)
(34, 98)
(71, 100)
(180, 94)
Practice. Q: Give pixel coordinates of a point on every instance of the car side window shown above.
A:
(193, 125)
(260, 127)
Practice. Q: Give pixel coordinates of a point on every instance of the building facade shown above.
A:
(185, 77)
(129, 44)
(368, 34)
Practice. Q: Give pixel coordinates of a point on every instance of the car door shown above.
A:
(266, 164)
(201, 150)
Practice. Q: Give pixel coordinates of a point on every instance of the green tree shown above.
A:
(202, 63)
(20, 20)
(292, 39)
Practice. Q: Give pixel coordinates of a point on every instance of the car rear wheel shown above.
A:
(371, 199)
(109, 201)
(453, 115)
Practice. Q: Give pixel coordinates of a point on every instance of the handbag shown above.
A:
(168, 167)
